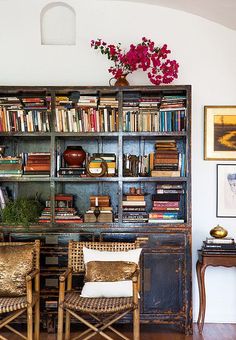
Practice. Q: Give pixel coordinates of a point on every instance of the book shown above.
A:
(165, 173)
(133, 203)
(225, 240)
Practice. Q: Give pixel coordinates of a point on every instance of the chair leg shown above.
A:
(37, 320)
(136, 323)
(60, 323)
(29, 322)
(67, 327)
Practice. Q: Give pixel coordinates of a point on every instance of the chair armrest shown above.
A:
(31, 275)
(64, 276)
(135, 276)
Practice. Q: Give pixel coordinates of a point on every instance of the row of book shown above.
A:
(151, 120)
(86, 120)
(25, 114)
(154, 113)
(87, 114)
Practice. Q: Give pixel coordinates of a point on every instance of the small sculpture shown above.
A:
(218, 232)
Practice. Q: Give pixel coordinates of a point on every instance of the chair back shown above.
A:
(35, 245)
(75, 251)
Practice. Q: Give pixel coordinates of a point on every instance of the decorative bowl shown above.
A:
(218, 232)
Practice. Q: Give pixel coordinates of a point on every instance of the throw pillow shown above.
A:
(109, 289)
(15, 263)
(105, 271)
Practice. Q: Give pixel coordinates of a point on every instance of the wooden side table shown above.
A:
(205, 259)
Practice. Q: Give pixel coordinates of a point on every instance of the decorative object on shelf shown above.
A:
(100, 209)
(144, 55)
(74, 156)
(122, 81)
(2, 150)
(220, 132)
(102, 167)
(22, 211)
(226, 190)
(96, 210)
(218, 232)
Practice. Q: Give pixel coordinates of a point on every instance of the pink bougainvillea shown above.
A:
(145, 56)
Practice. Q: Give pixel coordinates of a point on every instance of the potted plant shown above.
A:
(22, 211)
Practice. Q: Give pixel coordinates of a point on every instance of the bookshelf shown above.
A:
(169, 243)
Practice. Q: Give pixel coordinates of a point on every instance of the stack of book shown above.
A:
(95, 163)
(166, 204)
(101, 203)
(225, 244)
(71, 172)
(64, 210)
(10, 166)
(37, 164)
(134, 208)
(167, 161)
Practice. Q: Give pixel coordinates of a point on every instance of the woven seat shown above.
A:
(13, 303)
(97, 305)
(105, 311)
(12, 306)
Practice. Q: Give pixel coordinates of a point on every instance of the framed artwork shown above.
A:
(220, 133)
(226, 190)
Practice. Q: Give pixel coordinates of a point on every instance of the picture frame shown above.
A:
(220, 132)
(226, 190)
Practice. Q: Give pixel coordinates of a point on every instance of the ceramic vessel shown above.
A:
(74, 156)
(122, 81)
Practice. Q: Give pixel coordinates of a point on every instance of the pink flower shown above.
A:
(145, 55)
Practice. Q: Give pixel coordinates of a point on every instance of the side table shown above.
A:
(205, 259)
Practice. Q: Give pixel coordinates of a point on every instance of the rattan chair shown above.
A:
(15, 306)
(105, 311)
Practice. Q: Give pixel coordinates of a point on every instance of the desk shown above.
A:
(205, 259)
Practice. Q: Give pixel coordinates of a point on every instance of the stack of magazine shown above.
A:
(226, 244)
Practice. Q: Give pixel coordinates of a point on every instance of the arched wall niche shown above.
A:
(52, 22)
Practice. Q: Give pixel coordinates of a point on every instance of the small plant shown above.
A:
(22, 211)
(144, 55)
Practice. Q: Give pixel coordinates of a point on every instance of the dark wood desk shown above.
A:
(205, 259)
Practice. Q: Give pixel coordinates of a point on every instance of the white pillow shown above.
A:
(107, 289)
(97, 255)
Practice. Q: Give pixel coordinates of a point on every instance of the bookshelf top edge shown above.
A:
(47, 89)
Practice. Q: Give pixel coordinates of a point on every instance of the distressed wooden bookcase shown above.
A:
(166, 288)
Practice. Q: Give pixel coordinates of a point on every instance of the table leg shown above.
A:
(202, 295)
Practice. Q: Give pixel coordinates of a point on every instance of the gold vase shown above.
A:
(218, 232)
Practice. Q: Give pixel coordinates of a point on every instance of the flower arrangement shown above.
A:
(144, 55)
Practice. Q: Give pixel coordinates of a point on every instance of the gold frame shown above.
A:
(209, 113)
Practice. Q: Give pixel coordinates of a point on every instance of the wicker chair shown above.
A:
(105, 311)
(15, 306)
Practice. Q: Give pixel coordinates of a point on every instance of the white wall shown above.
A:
(206, 52)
